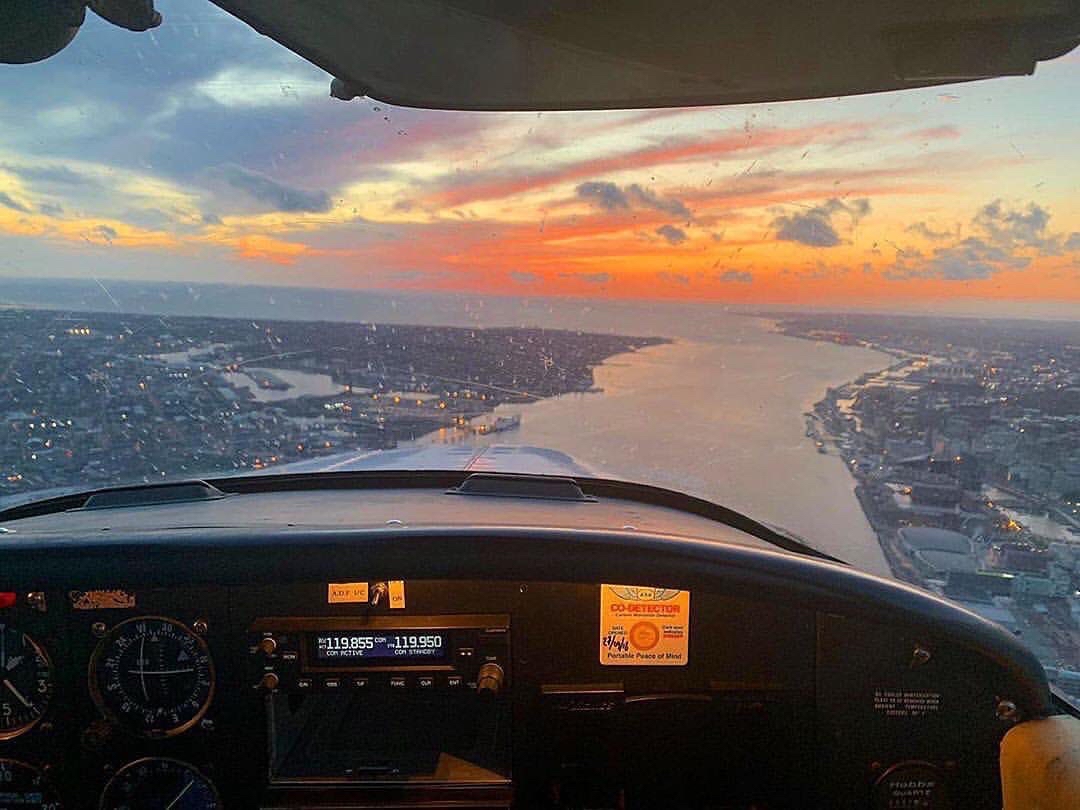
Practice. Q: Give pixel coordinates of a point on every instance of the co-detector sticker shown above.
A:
(644, 626)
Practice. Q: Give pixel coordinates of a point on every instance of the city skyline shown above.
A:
(203, 152)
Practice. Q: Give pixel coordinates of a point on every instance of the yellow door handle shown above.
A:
(1040, 765)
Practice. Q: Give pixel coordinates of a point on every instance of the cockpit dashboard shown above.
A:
(421, 646)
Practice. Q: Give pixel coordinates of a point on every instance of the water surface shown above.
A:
(720, 418)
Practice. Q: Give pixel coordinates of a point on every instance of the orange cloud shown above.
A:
(260, 247)
(458, 190)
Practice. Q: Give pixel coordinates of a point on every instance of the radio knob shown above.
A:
(269, 682)
(267, 646)
(489, 679)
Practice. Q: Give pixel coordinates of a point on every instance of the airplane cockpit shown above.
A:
(369, 638)
(450, 628)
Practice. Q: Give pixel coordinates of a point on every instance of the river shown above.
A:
(720, 418)
(301, 384)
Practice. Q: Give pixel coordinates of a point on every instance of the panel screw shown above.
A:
(99, 629)
(919, 656)
(206, 724)
(96, 736)
(36, 600)
(200, 626)
(523, 589)
(1007, 711)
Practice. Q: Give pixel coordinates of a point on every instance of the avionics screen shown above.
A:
(355, 646)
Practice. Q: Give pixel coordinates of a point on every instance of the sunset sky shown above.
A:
(204, 152)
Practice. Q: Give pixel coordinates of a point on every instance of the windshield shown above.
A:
(854, 318)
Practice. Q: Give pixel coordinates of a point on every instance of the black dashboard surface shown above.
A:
(803, 682)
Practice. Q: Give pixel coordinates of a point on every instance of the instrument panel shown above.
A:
(496, 692)
(87, 691)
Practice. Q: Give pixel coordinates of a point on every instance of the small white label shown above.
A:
(906, 702)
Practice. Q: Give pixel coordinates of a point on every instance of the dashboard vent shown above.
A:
(181, 492)
(521, 486)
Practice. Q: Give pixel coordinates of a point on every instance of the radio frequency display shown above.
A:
(365, 645)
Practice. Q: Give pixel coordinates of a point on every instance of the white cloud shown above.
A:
(244, 86)
(75, 121)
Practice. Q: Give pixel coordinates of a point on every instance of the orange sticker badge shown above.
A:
(644, 636)
(644, 626)
(338, 593)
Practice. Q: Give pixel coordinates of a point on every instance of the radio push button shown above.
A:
(398, 682)
(426, 682)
